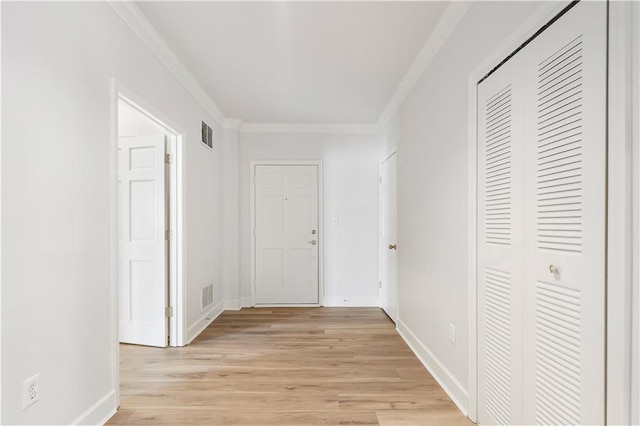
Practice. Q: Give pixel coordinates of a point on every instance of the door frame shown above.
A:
(394, 151)
(177, 332)
(252, 221)
(619, 262)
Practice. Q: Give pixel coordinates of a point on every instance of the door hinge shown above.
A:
(380, 284)
(168, 311)
(167, 235)
(167, 158)
(380, 179)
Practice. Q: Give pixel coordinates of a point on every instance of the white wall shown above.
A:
(57, 316)
(430, 130)
(231, 219)
(133, 123)
(350, 192)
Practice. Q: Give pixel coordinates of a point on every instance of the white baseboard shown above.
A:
(350, 301)
(245, 302)
(100, 412)
(194, 330)
(445, 379)
(232, 304)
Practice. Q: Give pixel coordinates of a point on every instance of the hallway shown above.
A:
(284, 366)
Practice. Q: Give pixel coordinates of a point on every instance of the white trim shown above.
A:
(355, 302)
(100, 412)
(232, 123)
(204, 321)
(232, 304)
(132, 16)
(635, 108)
(252, 220)
(619, 221)
(1, 222)
(542, 15)
(308, 128)
(287, 305)
(445, 26)
(445, 379)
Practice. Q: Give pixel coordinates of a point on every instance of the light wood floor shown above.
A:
(284, 366)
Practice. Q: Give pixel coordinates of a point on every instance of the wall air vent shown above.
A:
(207, 135)
(206, 296)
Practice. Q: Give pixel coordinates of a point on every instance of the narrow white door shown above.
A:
(388, 236)
(500, 129)
(142, 244)
(286, 234)
(565, 220)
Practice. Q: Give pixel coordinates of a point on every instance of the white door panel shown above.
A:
(389, 237)
(141, 236)
(565, 140)
(500, 127)
(286, 234)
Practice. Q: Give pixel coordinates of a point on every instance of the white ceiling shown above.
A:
(297, 62)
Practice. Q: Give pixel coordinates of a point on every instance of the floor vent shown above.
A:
(206, 296)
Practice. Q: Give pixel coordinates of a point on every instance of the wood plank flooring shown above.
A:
(284, 366)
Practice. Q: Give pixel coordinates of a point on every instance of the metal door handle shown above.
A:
(313, 242)
(393, 247)
(554, 269)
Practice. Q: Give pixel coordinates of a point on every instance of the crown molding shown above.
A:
(445, 26)
(141, 26)
(232, 123)
(308, 128)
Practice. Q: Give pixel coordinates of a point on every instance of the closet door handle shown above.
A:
(554, 269)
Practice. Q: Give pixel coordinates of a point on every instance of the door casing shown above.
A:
(252, 221)
(177, 296)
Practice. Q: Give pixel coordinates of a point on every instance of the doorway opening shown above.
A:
(148, 235)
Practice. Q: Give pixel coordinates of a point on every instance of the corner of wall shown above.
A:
(458, 394)
(100, 412)
(205, 320)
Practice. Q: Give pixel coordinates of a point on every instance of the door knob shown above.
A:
(313, 242)
(554, 269)
(393, 246)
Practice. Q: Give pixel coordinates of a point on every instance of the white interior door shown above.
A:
(142, 244)
(500, 187)
(541, 228)
(565, 222)
(286, 234)
(388, 237)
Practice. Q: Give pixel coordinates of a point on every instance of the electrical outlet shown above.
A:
(452, 333)
(30, 391)
(334, 220)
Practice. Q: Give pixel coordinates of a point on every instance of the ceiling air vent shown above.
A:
(207, 135)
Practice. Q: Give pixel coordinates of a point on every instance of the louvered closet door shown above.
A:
(500, 156)
(565, 152)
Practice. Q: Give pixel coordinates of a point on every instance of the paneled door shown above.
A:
(541, 227)
(142, 263)
(389, 236)
(286, 234)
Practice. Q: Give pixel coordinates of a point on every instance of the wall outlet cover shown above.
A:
(30, 391)
(452, 333)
